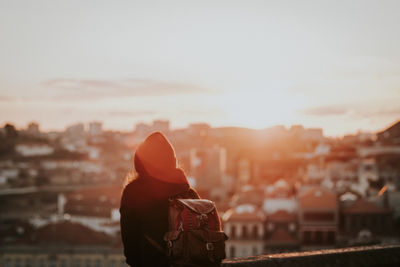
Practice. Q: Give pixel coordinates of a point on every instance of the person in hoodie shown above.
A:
(144, 202)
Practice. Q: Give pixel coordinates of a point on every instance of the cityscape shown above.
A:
(284, 114)
(279, 189)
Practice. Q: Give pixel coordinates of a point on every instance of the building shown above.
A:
(281, 232)
(63, 244)
(161, 125)
(96, 208)
(244, 226)
(33, 129)
(318, 217)
(280, 197)
(33, 149)
(391, 135)
(208, 166)
(201, 130)
(364, 215)
(75, 130)
(142, 130)
(95, 128)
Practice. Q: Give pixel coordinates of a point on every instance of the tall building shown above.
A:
(75, 130)
(142, 130)
(95, 128)
(208, 166)
(33, 129)
(161, 125)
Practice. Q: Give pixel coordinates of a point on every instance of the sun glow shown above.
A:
(261, 109)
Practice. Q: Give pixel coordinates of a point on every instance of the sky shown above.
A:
(328, 64)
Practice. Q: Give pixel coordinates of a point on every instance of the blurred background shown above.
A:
(285, 113)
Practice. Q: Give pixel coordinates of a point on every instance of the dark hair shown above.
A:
(139, 167)
(138, 171)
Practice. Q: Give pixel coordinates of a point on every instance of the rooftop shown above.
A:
(318, 197)
(363, 206)
(65, 233)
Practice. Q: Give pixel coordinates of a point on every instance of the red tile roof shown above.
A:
(318, 198)
(66, 233)
(236, 214)
(365, 207)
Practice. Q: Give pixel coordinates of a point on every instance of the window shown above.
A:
(97, 263)
(77, 263)
(245, 234)
(88, 263)
(307, 237)
(7, 263)
(233, 231)
(318, 237)
(319, 216)
(331, 238)
(255, 231)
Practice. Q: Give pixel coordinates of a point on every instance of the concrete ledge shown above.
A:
(371, 256)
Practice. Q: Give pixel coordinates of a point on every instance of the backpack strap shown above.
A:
(155, 244)
(188, 194)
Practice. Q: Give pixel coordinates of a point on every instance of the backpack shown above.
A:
(195, 237)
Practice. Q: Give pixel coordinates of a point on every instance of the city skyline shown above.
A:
(256, 64)
(155, 125)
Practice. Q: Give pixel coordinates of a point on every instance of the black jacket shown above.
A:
(144, 211)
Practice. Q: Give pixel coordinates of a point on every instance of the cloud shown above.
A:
(380, 112)
(5, 98)
(325, 111)
(76, 89)
(359, 112)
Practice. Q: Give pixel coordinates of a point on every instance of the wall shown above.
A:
(372, 256)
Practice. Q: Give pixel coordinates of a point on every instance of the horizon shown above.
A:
(255, 65)
(287, 127)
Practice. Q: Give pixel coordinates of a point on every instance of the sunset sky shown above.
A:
(328, 64)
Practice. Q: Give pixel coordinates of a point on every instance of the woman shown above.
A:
(144, 203)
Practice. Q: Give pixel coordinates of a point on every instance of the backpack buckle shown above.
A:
(203, 220)
(209, 246)
(169, 244)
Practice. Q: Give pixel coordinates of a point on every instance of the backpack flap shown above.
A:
(200, 206)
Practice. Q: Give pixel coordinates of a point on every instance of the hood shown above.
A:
(156, 157)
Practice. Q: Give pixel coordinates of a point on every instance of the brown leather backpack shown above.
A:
(195, 236)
